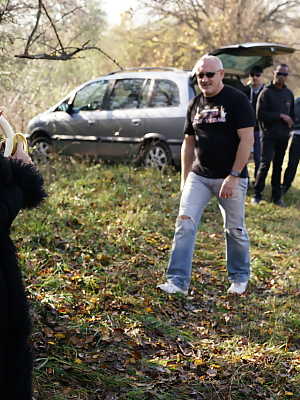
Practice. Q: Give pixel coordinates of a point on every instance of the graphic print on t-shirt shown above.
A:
(210, 115)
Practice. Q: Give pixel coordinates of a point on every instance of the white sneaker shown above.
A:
(170, 288)
(237, 287)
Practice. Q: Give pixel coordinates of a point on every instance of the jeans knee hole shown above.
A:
(184, 217)
(185, 220)
(237, 232)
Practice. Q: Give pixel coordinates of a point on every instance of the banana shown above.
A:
(20, 138)
(12, 139)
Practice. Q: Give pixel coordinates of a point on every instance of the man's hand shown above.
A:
(20, 154)
(228, 186)
(287, 119)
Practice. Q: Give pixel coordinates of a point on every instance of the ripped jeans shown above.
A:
(196, 194)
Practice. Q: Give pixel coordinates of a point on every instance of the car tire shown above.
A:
(42, 148)
(156, 154)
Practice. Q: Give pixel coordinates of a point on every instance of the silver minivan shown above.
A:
(132, 114)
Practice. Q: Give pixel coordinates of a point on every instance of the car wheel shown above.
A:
(42, 148)
(156, 155)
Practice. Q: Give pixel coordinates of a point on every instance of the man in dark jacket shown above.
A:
(252, 90)
(275, 114)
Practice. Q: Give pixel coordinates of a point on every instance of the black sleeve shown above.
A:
(11, 202)
(5, 220)
(4, 215)
(247, 91)
(263, 108)
(244, 113)
(292, 111)
(29, 180)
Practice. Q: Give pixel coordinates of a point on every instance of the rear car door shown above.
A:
(163, 109)
(166, 111)
(125, 106)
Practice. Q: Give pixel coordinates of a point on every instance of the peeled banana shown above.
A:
(12, 139)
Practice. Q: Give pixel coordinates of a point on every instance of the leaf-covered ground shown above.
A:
(92, 257)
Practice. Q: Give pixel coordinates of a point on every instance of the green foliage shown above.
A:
(92, 256)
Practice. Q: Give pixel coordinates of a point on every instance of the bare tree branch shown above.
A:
(6, 10)
(274, 11)
(69, 12)
(61, 53)
(31, 36)
(53, 26)
(66, 54)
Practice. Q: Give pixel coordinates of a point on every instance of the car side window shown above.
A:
(165, 94)
(90, 97)
(126, 94)
(63, 106)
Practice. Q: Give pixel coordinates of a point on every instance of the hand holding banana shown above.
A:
(12, 139)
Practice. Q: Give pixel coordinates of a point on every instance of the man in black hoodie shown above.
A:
(275, 114)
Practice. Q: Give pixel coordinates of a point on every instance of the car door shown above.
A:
(79, 127)
(125, 105)
(164, 113)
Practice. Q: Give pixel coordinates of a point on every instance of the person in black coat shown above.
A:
(21, 187)
(275, 114)
(252, 90)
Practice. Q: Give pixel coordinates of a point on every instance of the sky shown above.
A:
(114, 8)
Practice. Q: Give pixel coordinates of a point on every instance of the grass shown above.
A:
(92, 256)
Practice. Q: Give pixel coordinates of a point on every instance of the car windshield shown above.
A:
(238, 65)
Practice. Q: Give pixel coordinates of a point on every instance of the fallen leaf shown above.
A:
(199, 362)
(60, 335)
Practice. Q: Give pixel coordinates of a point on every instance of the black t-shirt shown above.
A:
(214, 122)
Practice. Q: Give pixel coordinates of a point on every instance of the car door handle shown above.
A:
(136, 122)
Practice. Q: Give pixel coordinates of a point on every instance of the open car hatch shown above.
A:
(238, 59)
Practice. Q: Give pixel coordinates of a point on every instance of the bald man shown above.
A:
(218, 139)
